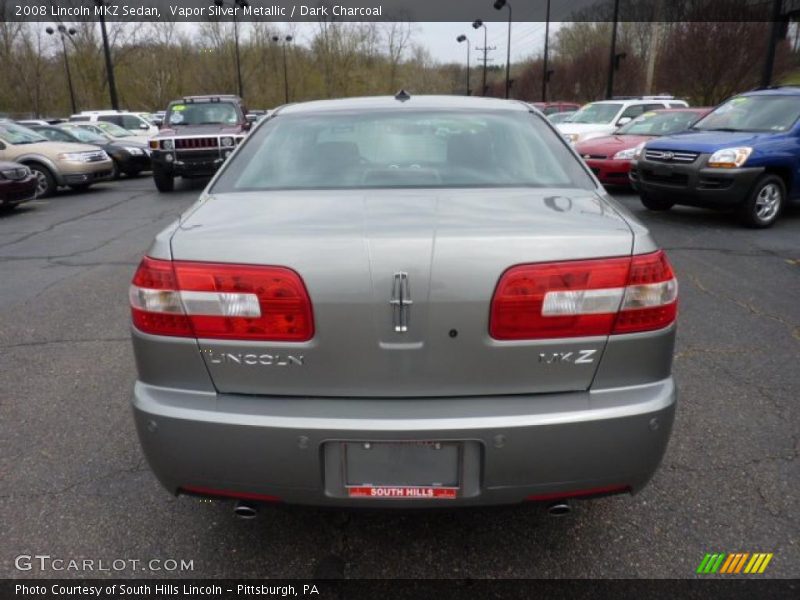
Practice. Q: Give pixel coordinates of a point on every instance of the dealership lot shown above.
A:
(75, 485)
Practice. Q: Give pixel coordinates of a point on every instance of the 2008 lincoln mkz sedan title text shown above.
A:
(404, 301)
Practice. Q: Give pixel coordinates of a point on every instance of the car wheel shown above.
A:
(114, 170)
(164, 181)
(651, 203)
(763, 206)
(45, 182)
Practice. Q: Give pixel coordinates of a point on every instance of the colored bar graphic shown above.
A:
(734, 563)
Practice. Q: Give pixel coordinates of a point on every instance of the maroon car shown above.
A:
(17, 184)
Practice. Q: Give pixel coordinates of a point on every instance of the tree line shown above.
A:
(702, 61)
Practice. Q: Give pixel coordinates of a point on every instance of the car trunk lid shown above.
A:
(374, 261)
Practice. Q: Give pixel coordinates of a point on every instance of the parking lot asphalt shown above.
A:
(74, 484)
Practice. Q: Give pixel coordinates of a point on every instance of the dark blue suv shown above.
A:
(743, 155)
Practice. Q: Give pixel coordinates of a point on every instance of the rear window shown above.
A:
(343, 150)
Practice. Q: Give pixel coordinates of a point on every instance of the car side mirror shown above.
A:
(2, 146)
(623, 121)
(144, 126)
(251, 118)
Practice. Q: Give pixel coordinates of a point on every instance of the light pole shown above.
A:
(613, 61)
(498, 5)
(477, 24)
(63, 33)
(286, 40)
(242, 3)
(545, 72)
(459, 39)
(112, 84)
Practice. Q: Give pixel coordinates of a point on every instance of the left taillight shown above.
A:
(220, 301)
(584, 298)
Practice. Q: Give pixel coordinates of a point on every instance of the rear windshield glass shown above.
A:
(753, 113)
(202, 113)
(340, 150)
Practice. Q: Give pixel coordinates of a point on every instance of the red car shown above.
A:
(17, 184)
(610, 157)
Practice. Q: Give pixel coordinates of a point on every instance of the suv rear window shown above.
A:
(345, 150)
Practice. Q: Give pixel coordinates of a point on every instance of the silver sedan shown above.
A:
(404, 301)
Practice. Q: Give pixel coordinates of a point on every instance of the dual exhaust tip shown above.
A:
(248, 510)
(245, 510)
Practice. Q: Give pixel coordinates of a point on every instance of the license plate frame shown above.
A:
(402, 469)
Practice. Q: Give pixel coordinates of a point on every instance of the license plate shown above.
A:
(402, 469)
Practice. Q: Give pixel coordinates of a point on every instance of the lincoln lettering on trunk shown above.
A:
(253, 359)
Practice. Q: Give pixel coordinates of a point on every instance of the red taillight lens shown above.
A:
(584, 298)
(221, 301)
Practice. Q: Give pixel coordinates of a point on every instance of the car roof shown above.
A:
(413, 102)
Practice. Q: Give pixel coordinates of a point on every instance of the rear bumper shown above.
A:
(520, 447)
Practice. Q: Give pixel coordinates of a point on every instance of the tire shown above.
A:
(114, 170)
(656, 204)
(45, 182)
(164, 181)
(764, 204)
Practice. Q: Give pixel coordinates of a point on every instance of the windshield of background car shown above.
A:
(86, 136)
(659, 123)
(17, 134)
(596, 113)
(113, 130)
(388, 149)
(753, 113)
(202, 113)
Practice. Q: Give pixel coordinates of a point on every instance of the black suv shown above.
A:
(198, 134)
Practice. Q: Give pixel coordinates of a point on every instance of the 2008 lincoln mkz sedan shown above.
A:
(404, 301)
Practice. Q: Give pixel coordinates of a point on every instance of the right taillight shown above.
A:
(220, 301)
(584, 298)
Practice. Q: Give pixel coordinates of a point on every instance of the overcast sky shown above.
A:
(527, 39)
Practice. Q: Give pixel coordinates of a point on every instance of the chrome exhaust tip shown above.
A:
(245, 510)
(559, 509)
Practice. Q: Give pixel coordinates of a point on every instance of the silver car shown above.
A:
(404, 301)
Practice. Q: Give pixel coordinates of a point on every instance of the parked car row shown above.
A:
(742, 155)
(74, 155)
